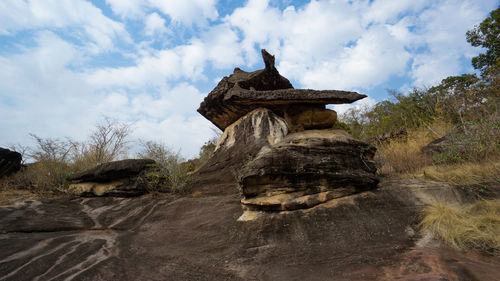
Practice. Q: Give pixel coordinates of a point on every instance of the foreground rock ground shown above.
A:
(366, 236)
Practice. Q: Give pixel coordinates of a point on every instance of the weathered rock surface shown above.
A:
(242, 92)
(308, 117)
(367, 236)
(10, 162)
(116, 178)
(307, 168)
(440, 145)
(239, 143)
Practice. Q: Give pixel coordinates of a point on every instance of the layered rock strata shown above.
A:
(240, 142)
(279, 146)
(117, 178)
(305, 169)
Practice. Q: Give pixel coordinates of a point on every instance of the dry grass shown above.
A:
(473, 226)
(462, 173)
(404, 155)
(12, 195)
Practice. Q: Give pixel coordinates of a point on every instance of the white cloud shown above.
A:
(364, 104)
(102, 31)
(388, 11)
(310, 43)
(155, 25)
(127, 8)
(187, 12)
(42, 95)
(443, 35)
(57, 88)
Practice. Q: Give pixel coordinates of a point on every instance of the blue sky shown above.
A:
(65, 65)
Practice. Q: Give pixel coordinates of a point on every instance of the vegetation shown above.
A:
(464, 109)
(168, 174)
(55, 159)
(473, 226)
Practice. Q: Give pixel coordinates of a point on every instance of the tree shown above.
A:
(486, 35)
(108, 141)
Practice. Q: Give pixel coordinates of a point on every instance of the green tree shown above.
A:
(486, 35)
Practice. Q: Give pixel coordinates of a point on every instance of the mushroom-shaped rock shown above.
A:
(241, 92)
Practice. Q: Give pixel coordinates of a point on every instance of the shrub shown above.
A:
(404, 155)
(479, 140)
(51, 168)
(168, 166)
(107, 142)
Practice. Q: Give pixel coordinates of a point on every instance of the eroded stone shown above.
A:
(307, 163)
(239, 143)
(242, 92)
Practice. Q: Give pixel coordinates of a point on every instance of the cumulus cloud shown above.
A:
(99, 29)
(155, 25)
(185, 12)
(65, 77)
(127, 8)
(366, 103)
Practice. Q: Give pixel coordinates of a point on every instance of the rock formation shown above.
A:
(117, 178)
(10, 162)
(279, 143)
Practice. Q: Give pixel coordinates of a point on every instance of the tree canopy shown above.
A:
(486, 35)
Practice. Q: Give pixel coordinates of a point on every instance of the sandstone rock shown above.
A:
(307, 117)
(221, 114)
(239, 143)
(10, 162)
(367, 236)
(242, 92)
(117, 178)
(113, 170)
(328, 163)
(440, 145)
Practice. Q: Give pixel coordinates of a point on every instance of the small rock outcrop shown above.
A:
(279, 146)
(10, 162)
(440, 145)
(118, 178)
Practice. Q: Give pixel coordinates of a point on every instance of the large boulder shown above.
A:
(10, 162)
(243, 92)
(305, 169)
(116, 178)
(239, 143)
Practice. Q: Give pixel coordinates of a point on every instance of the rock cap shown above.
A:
(241, 92)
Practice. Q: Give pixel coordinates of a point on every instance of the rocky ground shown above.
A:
(368, 236)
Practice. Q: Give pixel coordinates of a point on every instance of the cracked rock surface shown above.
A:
(367, 236)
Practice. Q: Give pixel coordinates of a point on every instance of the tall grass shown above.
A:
(473, 226)
(404, 155)
(462, 173)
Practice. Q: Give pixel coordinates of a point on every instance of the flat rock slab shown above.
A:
(113, 170)
(369, 236)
